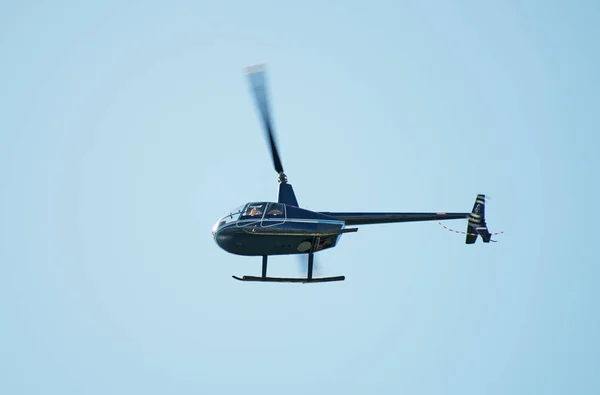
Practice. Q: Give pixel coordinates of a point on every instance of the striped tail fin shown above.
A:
(477, 226)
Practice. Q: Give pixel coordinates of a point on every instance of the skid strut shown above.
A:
(308, 279)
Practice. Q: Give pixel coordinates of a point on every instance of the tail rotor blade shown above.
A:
(257, 77)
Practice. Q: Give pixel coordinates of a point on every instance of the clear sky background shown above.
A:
(127, 129)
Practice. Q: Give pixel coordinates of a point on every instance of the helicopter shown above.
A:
(284, 228)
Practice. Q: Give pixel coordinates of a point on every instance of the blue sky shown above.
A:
(126, 130)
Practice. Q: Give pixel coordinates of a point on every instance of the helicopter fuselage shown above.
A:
(268, 228)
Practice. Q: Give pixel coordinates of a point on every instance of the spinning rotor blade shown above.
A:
(256, 75)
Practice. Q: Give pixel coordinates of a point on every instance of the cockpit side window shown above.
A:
(254, 210)
(275, 210)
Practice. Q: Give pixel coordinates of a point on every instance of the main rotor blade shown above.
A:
(257, 77)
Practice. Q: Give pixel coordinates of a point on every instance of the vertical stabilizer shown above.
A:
(477, 226)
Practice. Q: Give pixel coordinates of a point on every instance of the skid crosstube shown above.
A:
(290, 280)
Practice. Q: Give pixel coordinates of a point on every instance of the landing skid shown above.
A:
(289, 280)
(308, 279)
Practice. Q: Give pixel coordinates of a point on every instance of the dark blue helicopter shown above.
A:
(283, 228)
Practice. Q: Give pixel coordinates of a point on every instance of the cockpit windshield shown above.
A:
(232, 216)
(252, 213)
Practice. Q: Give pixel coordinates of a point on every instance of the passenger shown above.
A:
(254, 212)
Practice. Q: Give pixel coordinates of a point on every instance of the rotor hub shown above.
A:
(282, 178)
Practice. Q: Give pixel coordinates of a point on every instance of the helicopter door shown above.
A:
(252, 215)
(275, 215)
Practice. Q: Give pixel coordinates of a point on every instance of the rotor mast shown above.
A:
(282, 178)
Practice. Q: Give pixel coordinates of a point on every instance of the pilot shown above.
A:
(254, 212)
